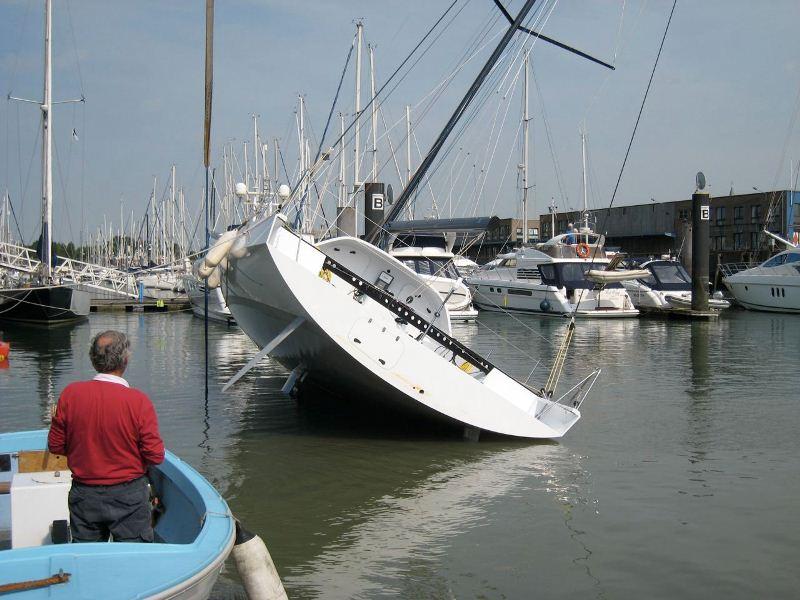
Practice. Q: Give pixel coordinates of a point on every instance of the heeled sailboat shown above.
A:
(346, 316)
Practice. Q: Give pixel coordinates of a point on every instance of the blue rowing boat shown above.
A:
(194, 531)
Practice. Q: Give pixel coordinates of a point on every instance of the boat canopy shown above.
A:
(459, 225)
(667, 275)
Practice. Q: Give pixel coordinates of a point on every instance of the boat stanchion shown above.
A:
(255, 567)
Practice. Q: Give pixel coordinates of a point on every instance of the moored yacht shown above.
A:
(47, 299)
(666, 288)
(436, 268)
(773, 286)
(557, 277)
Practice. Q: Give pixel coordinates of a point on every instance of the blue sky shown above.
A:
(722, 99)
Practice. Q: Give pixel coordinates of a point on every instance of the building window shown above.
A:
(519, 232)
(755, 213)
(754, 239)
(720, 215)
(738, 240)
(684, 215)
(533, 232)
(738, 214)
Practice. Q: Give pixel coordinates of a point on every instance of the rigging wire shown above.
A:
(630, 142)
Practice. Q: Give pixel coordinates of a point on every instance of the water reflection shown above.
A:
(45, 351)
(371, 517)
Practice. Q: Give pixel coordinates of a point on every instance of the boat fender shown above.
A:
(255, 567)
(545, 305)
(582, 250)
(239, 247)
(219, 250)
(214, 279)
(204, 271)
(5, 350)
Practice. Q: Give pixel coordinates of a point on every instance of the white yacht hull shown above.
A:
(765, 293)
(535, 298)
(361, 351)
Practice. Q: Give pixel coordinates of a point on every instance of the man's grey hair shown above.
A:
(110, 351)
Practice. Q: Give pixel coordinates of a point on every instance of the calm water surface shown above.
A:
(681, 479)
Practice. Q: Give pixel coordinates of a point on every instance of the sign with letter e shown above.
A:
(704, 213)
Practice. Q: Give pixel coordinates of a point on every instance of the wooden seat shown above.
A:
(33, 461)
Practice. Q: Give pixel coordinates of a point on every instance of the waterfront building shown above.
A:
(657, 228)
(502, 235)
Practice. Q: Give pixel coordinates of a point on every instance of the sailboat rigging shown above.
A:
(47, 300)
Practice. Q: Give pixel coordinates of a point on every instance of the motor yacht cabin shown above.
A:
(554, 278)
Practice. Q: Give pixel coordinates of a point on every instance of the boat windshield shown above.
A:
(439, 267)
(669, 276)
(780, 259)
(572, 275)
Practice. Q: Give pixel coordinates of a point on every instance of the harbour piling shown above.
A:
(700, 236)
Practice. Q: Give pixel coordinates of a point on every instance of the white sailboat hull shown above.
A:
(358, 349)
(217, 308)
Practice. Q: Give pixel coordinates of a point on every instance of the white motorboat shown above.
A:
(161, 284)
(352, 319)
(217, 308)
(772, 286)
(666, 287)
(464, 265)
(436, 267)
(554, 278)
(194, 533)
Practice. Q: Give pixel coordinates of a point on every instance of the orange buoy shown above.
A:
(5, 349)
(582, 250)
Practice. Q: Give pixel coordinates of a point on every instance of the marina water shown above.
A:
(681, 479)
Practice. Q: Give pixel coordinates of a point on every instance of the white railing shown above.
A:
(18, 258)
(22, 259)
(729, 269)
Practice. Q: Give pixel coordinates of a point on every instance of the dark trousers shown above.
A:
(121, 511)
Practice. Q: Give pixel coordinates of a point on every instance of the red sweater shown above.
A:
(108, 432)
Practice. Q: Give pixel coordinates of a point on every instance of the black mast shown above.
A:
(400, 203)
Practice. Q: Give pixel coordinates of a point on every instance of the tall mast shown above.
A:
(246, 166)
(172, 219)
(374, 114)
(408, 143)
(256, 150)
(276, 150)
(585, 191)
(526, 119)
(400, 204)
(47, 146)
(360, 35)
(342, 166)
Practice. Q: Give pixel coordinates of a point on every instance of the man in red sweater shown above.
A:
(109, 433)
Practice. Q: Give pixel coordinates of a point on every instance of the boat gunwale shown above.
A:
(215, 513)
